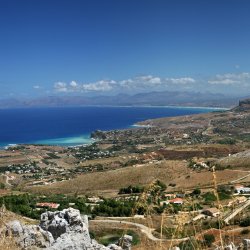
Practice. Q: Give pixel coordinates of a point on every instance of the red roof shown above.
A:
(47, 204)
(176, 200)
(239, 186)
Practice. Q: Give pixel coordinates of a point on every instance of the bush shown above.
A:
(131, 190)
(209, 197)
(136, 238)
(224, 196)
(227, 189)
(245, 231)
(229, 141)
(161, 185)
(209, 239)
(196, 191)
(190, 244)
(245, 222)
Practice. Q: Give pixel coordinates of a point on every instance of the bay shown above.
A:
(72, 126)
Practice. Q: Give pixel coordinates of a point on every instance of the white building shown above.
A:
(240, 189)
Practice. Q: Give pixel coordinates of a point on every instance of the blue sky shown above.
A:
(92, 47)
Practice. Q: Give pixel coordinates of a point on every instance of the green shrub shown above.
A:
(229, 141)
(196, 191)
(209, 197)
(245, 231)
(209, 239)
(245, 222)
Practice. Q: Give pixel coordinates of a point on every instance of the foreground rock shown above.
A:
(64, 230)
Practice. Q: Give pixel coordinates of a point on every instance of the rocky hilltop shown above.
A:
(244, 105)
(65, 230)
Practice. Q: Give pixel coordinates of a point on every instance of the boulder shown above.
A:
(246, 244)
(231, 246)
(66, 221)
(125, 242)
(64, 230)
(114, 247)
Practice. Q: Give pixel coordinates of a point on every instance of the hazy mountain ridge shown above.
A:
(165, 98)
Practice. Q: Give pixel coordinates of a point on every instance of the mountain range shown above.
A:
(164, 98)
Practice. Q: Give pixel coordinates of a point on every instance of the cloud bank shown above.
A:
(136, 83)
(220, 83)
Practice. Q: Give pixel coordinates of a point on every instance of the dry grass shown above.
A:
(111, 181)
(240, 160)
(108, 183)
(205, 178)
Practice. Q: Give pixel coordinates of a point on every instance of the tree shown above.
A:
(196, 191)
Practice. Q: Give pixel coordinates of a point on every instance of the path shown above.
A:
(239, 179)
(236, 211)
(144, 229)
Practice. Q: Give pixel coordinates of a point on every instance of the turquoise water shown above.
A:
(77, 140)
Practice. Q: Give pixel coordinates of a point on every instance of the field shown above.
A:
(108, 183)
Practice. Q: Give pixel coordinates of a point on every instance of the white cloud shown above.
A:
(73, 84)
(136, 83)
(102, 86)
(37, 87)
(182, 80)
(234, 82)
(61, 87)
(148, 79)
(231, 79)
(224, 81)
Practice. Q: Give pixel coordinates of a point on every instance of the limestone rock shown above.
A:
(231, 246)
(114, 247)
(64, 230)
(27, 236)
(246, 244)
(125, 242)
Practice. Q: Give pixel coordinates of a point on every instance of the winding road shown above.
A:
(144, 229)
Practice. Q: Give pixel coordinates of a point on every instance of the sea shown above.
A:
(72, 126)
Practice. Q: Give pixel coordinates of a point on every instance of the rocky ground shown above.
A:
(66, 230)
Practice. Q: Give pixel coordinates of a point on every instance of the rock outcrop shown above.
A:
(98, 134)
(27, 236)
(64, 230)
(244, 105)
(125, 242)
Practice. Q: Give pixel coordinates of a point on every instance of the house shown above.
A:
(213, 212)
(48, 205)
(169, 196)
(95, 200)
(240, 189)
(178, 201)
(180, 195)
(185, 136)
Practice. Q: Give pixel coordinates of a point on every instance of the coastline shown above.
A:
(122, 106)
(85, 138)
